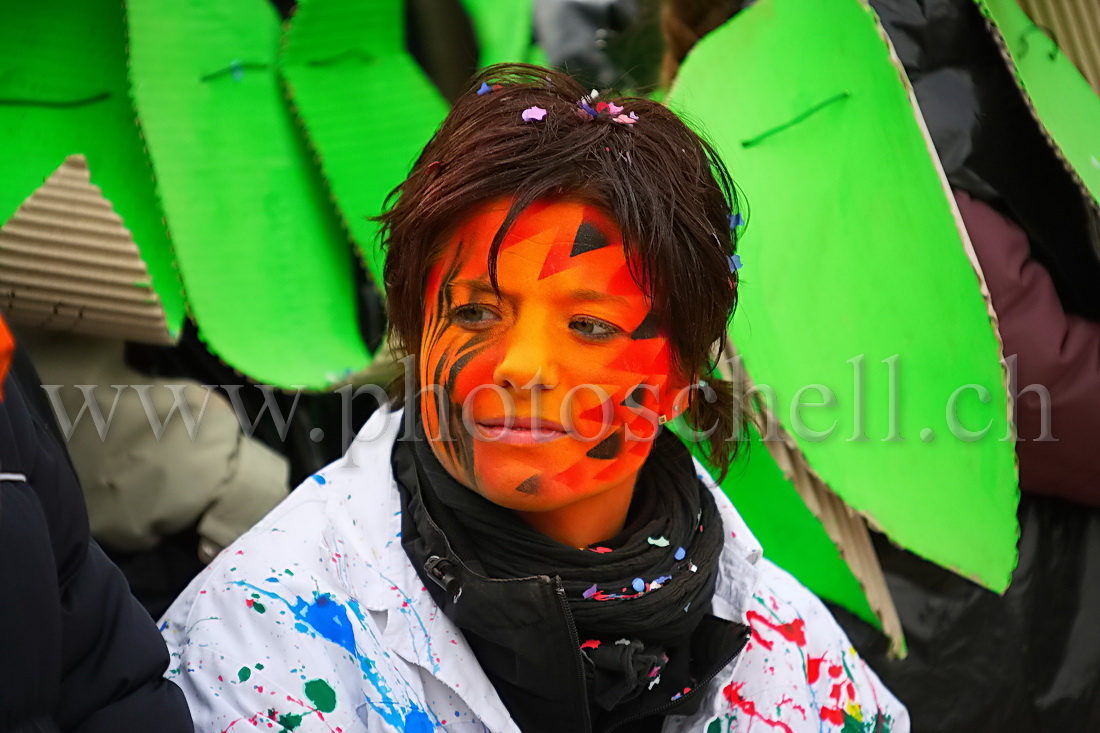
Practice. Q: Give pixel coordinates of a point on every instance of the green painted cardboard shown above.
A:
(366, 106)
(1065, 104)
(857, 278)
(783, 525)
(268, 271)
(63, 90)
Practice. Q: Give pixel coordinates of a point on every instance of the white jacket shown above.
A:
(315, 620)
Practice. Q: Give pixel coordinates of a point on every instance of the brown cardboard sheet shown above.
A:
(1075, 26)
(68, 262)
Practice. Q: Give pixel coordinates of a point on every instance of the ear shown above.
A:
(677, 394)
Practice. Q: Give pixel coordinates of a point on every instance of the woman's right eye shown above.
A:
(474, 315)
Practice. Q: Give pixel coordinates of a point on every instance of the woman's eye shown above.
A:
(473, 315)
(594, 329)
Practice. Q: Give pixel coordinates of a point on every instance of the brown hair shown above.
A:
(665, 187)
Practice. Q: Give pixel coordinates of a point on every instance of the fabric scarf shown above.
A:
(633, 597)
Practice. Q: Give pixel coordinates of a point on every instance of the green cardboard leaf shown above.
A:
(792, 537)
(63, 91)
(268, 272)
(857, 279)
(366, 106)
(1064, 102)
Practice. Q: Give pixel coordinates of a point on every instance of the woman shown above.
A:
(523, 546)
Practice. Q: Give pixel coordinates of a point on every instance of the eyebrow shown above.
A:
(483, 286)
(597, 295)
(478, 286)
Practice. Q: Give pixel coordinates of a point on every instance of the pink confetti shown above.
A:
(533, 114)
(623, 119)
(613, 109)
(600, 549)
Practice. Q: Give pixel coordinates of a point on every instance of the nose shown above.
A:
(528, 362)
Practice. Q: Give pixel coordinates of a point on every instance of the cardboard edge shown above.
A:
(843, 525)
(1006, 57)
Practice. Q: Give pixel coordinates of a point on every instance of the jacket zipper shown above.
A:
(575, 640)
(694, 690)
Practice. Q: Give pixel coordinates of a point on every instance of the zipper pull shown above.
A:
(442, 571)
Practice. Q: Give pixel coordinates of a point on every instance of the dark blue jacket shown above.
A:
(77, 652)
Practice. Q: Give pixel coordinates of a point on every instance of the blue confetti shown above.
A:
(484, 89)
(591, 591)
(735, 263)
(639, 585)
(680, 554)
(736, 220)
(236, 70)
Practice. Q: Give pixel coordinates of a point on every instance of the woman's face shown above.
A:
(551, 390)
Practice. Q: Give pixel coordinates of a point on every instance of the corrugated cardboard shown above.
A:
(1075, 27)
(68, 262)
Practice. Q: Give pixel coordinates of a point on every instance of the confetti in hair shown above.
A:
(533, 114)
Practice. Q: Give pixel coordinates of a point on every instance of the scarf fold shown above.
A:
(635, 598)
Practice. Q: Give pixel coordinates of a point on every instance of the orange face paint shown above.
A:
(549, 392)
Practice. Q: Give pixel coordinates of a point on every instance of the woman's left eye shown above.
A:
(594, 329)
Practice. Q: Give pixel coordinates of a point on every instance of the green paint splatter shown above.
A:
(243, 674)
(259, 665)
(714, 727)
(321, 695)
(258, 607)
(289, 721)
(287, 571)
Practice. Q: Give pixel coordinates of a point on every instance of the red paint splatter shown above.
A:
(600, 549)
(851, 691)
(834, 693)
(249, 602)
(240, 552)
(833, 715)
(790, 701)
(732, 692)
(835, 670)
(813, 668)
(795, 631)
(591, 644)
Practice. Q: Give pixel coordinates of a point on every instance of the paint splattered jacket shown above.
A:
(315, 620)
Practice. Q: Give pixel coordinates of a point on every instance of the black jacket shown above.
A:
(77, 652)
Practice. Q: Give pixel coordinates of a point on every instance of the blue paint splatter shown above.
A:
(329, 619)
(319, 479)
(418, 722)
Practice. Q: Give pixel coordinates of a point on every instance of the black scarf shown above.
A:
(636, 599)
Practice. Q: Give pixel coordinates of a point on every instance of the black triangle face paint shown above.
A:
(608, 448)
(647, 329)
(587, 239)
(529, 486)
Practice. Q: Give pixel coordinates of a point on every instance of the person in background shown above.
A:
(79, 653)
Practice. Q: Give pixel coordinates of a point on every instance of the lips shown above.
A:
(519, 430)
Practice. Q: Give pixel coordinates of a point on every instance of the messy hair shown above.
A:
(664, 186)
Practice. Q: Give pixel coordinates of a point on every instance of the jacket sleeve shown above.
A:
(1058, 353)
(112, 658)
